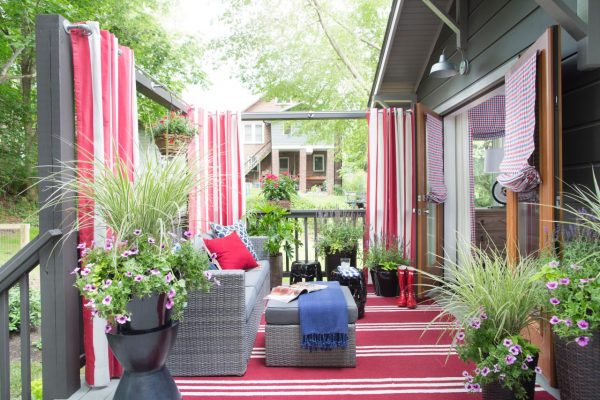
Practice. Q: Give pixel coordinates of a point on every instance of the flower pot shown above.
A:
(147, 314)
(577, 367)
(172, 143)
(386, 282)
(334, 259)
(495, 390)
(143, 357)
(276, 266)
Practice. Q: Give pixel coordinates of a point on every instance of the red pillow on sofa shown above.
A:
(231, 252)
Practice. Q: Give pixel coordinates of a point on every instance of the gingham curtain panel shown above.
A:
(390, 183)
(486, 122)
(435, 160)
(519, 144)
(215, 154)
(106, 111)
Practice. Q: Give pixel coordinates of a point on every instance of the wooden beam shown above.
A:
(157, 92)
(459, 27)
(566, 17)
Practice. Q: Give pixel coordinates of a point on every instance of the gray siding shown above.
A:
(499, 30)
(278, 138)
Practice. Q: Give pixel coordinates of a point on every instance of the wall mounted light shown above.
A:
(445, 69)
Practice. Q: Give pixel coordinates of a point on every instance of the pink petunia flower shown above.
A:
(208, 275)
(81, 246)
(554, 301)
(552, 285)
(538, 370)
(169, 304)
(582, 341)
(529, 358)
(171, 293)
(524, 366)
(460, 336)
(76, 270)
(106, 301)
(151, 240)
(85, 271)
(564, 281)
(122, 319)
(128, 274)
(568, 322)
(154, 272)
(583, 324)
(169, 277)
(475, 323)
(107, 328)
(554, 264)
(137, 232)
(515, 350)
(485, 371)
(507, 342)
(554, 320)
(510, 359)
(188, 234)
(107, 284)
(138, 278)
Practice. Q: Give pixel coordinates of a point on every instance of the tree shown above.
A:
(320, 54)
(175, 61)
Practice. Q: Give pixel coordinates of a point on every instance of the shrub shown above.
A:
(174, 124)
(338, 236)
(386, 254)
(278, 187)
(14, 309)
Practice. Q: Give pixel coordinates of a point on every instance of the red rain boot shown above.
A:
(411, 302)
(402, 284)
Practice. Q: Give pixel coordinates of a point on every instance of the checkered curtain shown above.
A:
(486, 122)
(435, 160)
(391, 181)
(516, 172)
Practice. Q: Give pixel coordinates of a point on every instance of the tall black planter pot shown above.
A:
(333, 260)
(577, 368)
(495, 390)
(385, 282)
(142, 347)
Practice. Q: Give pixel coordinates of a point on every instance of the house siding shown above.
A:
(499, 31)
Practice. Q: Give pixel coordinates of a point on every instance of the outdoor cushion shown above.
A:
(250, 300)
(256, 276)
(219, 231)
(280, 313)
(231, 252)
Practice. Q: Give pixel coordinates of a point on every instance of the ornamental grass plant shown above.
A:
(337, 236)
(491, 301)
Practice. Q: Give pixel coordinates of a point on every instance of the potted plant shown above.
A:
(338, 239)
(173, 133)
(278, 190)
(138, 277)
(492, 303)
(382, 259)
(573, 297)
(271, 221)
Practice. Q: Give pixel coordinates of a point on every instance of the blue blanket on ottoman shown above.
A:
(324, 318)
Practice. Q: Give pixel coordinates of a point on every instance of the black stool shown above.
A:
(307, 270)
(357, 287)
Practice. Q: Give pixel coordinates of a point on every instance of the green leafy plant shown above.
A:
(339, 235)
(271, 220)
(142, 256)
(491, 301)
(385, 254)
(14, 309)
(174, 124)
(36, 389)
(275, 187)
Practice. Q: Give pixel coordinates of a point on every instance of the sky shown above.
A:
(200, 18)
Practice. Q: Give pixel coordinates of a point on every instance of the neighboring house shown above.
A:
(275, 147)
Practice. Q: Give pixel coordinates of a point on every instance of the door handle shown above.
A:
(426, 211)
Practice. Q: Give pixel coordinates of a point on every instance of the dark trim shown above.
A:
(157, 92)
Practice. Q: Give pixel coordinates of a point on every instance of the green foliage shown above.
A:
(490, 302)
(14, 309)
(174, 124)
(319, 54)
(271, 220)
(139, 266)
(36, 380)
(339, 235)
(355, 182)
(338, 190)
(278, 187)
(37, 392)
(385, 254)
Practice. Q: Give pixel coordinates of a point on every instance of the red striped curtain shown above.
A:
(390, 178)
(106, 111)
(215, 155)
(517, 174)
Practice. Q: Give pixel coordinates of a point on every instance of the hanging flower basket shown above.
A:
(170, 144)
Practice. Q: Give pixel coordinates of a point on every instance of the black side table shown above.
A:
(357, 287)
(307, 270)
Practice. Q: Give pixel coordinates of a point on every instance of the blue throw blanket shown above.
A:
(324, 318)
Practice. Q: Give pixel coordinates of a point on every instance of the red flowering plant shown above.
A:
(278, 187)
(174, 124)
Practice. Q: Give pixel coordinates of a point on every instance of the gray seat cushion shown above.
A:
(256, 276)
(280, 313)
(250, 300)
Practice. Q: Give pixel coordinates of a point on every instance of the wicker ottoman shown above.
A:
(282, 338)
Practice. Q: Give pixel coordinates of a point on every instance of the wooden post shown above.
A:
(61, 311)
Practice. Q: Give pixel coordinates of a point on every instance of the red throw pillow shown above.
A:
(231, 252)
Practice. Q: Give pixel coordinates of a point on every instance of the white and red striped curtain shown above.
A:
(106, 111)
(390, 178)
(519, 144)
(216, 156)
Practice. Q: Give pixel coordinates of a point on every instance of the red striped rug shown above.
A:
(396, 359)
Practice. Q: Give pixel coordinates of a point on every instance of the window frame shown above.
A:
(255, 128)
(288, 163)
(321, 156)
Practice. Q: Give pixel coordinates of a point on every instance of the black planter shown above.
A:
(147, 314)
(495, 390)
(333, 260)
(143, 357)
(386, 282)
(577, 368)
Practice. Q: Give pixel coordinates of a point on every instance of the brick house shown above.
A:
(276, 147)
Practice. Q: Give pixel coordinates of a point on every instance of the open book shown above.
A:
(290, 293)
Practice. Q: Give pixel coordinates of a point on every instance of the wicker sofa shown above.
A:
(218, 329)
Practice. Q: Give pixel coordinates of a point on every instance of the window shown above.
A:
(318, 163)
(287, 128)
(254, 133)
(284, 164)
(484, 180)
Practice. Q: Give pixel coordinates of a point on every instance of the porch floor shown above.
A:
(396, 359)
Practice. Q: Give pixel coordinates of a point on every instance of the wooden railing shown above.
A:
(257, 157)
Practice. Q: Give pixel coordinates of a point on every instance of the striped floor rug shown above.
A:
(396, 359)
